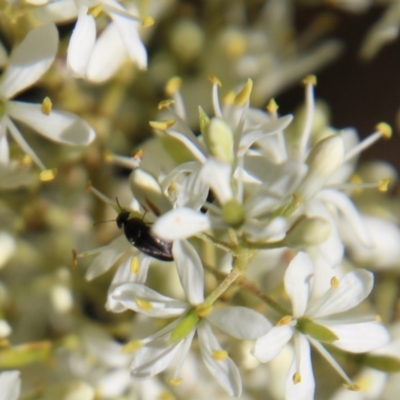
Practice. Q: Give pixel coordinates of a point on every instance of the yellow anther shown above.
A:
(219, 355)
(143, 304)
(334, 282)
(26, 159)
(355, 178)
(310, 80)
(378, 318)
(148, 21)
(48, 175)
(108, 157)
(132, 346)
(272, 106)
(174, 382)
(383, 185)
(203, 310)
(235, 47)
(46, 106)
(173, 85)
(214, 80)
(95, 10)
(138, 154)
(166, 396)
(284, 320)
(353, 387)
(135, 265)
(74, 260)
(4, 342)
(244, 94)
(165, 103)
(385, 129)
(296, 378)
(229, 98)
(162, 125)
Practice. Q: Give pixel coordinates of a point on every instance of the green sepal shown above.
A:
(19, 356)
(316, 331)
(184, 327)
(381, 362)
(204, 120)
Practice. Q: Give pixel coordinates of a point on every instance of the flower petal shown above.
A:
(60, 126)
(128, 30)
(58, 11)
(125, 274)
(190, 270)
(252, 324)
(180, 224)
(10, 384)
(153, 358)
(108, 256)
(30, 60)
(4, 149)
(101, 68)
(349, 210)
(303, 390)
(81, 43)
(360, 337)
(298, 282)
(224, 371)
(353, 288)
(147, 301)
(270, 127)
(270, 345)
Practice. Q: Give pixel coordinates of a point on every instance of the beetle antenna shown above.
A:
(103, 222)
(119, 205)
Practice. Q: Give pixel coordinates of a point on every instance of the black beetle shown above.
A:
(139, 235)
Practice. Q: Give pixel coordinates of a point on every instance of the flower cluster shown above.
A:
(246, 249)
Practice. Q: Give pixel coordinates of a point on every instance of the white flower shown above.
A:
(98, 59)
(322, 319)
(155, 353)
(10, 384)
(28, 62)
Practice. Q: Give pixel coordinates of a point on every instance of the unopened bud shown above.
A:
(324, 159)
(308, 232)
(219, 140)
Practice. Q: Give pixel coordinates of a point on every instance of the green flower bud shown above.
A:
(308, 232)
(317, 331)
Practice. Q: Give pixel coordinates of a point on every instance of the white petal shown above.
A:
(108, 256)
(4, 149)
(30, 60)
(304, 390)
(60, 126)
(349, 210)
(360, 337)
(193, 147)
(190, 270)
(107, 56)
(81, 43)
(153, 358)
(58, 11)
(180, 224)
(217, 175)
(114, 383)
(10, 384)
(224, 371)
(353, 288)
(267, 128)
(124, 274)
(297, 280)
(270, 345)
(128, 30)
(252, 324)
(3, 55)
(157, 305)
